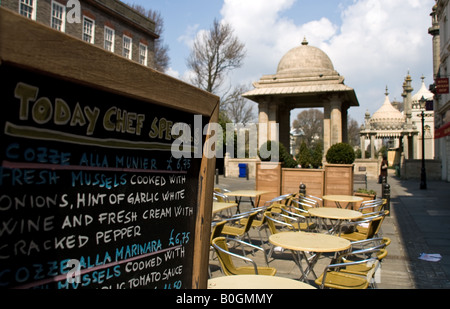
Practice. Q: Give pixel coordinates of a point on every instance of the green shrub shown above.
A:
(283, 154)
(317, 154)
(340, 153)
(304, 156)
(366, 191)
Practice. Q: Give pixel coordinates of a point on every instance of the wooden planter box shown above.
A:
(313, 179)
(333, 179)
(268, 178)
(338, 180)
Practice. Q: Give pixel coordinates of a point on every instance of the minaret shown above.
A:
(434, 31)
(407, 101)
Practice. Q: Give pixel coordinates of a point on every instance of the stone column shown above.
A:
(362, 141)
(372, 146)
(405, 147)
(273, 133)
(263, 120)
(417, 151)
(335, 120)
(407, 100)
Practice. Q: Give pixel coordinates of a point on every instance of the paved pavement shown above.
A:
(419, 223)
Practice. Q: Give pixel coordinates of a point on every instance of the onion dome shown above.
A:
(387, 117)
(423, 92)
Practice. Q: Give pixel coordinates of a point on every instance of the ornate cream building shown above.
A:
(403, 129)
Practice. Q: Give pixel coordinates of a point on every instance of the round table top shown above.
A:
(343, 198)
(335, 213)
(256, 282)
(314, 242)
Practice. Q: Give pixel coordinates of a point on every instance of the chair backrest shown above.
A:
(225, 260)
(272, 222)
(250, 219)
(276, 207)
(220, 197)
(216, 229)
(372, 205)
(375, 224)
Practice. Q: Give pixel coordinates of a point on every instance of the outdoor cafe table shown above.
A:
(239, 194)
(315, 243)
(338, 199)
(219, 206)
(256, 282)
(337, 214)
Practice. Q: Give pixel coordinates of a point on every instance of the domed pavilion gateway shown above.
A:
(305, 78)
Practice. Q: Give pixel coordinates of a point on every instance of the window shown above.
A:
(127, 46)
(88, 30)
(143, 54)
(27, 8)
(58, 16)
(109, 39)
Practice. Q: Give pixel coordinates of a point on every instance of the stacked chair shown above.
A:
(235, 230)
(353, 269)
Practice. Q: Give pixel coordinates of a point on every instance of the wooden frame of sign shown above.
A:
(92, 194)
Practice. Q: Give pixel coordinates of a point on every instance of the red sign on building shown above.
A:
(441, 85)
(442, 131)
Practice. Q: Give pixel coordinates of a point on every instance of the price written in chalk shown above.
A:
(178, 238)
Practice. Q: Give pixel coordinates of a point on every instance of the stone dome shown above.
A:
(387, 117)
(306, 60)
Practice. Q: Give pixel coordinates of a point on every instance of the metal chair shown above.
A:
(238, 231)
(221, 197)
(216, 231)
(298, 218)
(311, 199)
(275, 226)
(334, 279)
(259, 222)
(372, 206)
(226, 260)
(359, 232)
(368, 270)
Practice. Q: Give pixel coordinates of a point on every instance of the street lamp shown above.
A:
(423, 174)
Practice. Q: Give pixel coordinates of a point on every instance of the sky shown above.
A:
(374, 44)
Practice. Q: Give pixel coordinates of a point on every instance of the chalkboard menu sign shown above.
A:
(91, 195)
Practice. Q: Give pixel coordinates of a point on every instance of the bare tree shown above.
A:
(310, 121)
(161, 57)
(215, 53)
(353, 132)
(238, 108)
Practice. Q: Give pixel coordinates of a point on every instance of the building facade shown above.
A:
(109, 24)
(440, 30)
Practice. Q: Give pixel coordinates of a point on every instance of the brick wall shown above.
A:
(93, 9)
